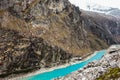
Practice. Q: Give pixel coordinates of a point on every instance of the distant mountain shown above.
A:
(115, 12)
(103, 9)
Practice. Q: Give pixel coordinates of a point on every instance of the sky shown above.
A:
(108, 3)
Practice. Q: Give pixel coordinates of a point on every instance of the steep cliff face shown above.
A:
(19, 52)
(31, 28)
(58, 23)
(106, 27)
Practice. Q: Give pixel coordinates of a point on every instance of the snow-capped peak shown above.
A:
(104, 9)
(97, 7)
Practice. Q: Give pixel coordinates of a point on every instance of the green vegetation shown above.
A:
(112, 73)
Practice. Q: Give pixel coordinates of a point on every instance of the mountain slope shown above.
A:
(19, 52)
(59, 19)
(52, 29)
(104, 26)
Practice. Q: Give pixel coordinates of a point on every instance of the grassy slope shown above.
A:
(112, 73)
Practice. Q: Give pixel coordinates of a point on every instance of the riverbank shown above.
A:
(95, 69)
(43, 70)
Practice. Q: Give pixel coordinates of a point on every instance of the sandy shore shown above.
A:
(50, 69)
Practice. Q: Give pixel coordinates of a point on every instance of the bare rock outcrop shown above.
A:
(21, 53)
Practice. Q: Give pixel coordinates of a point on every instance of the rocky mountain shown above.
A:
(21, 53)
(102, 24)
(103, 9)
(107, 68)
(45, 33)
(115, 12)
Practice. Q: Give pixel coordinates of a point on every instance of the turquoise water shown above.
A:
(65, 71)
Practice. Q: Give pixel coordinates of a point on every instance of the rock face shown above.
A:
(105, 26)
(97, 68)
(65, 24)
(45, 32)
(18, 52)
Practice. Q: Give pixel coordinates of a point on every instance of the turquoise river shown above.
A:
(66, 70)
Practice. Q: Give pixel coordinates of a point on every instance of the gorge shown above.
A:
(36, 34)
